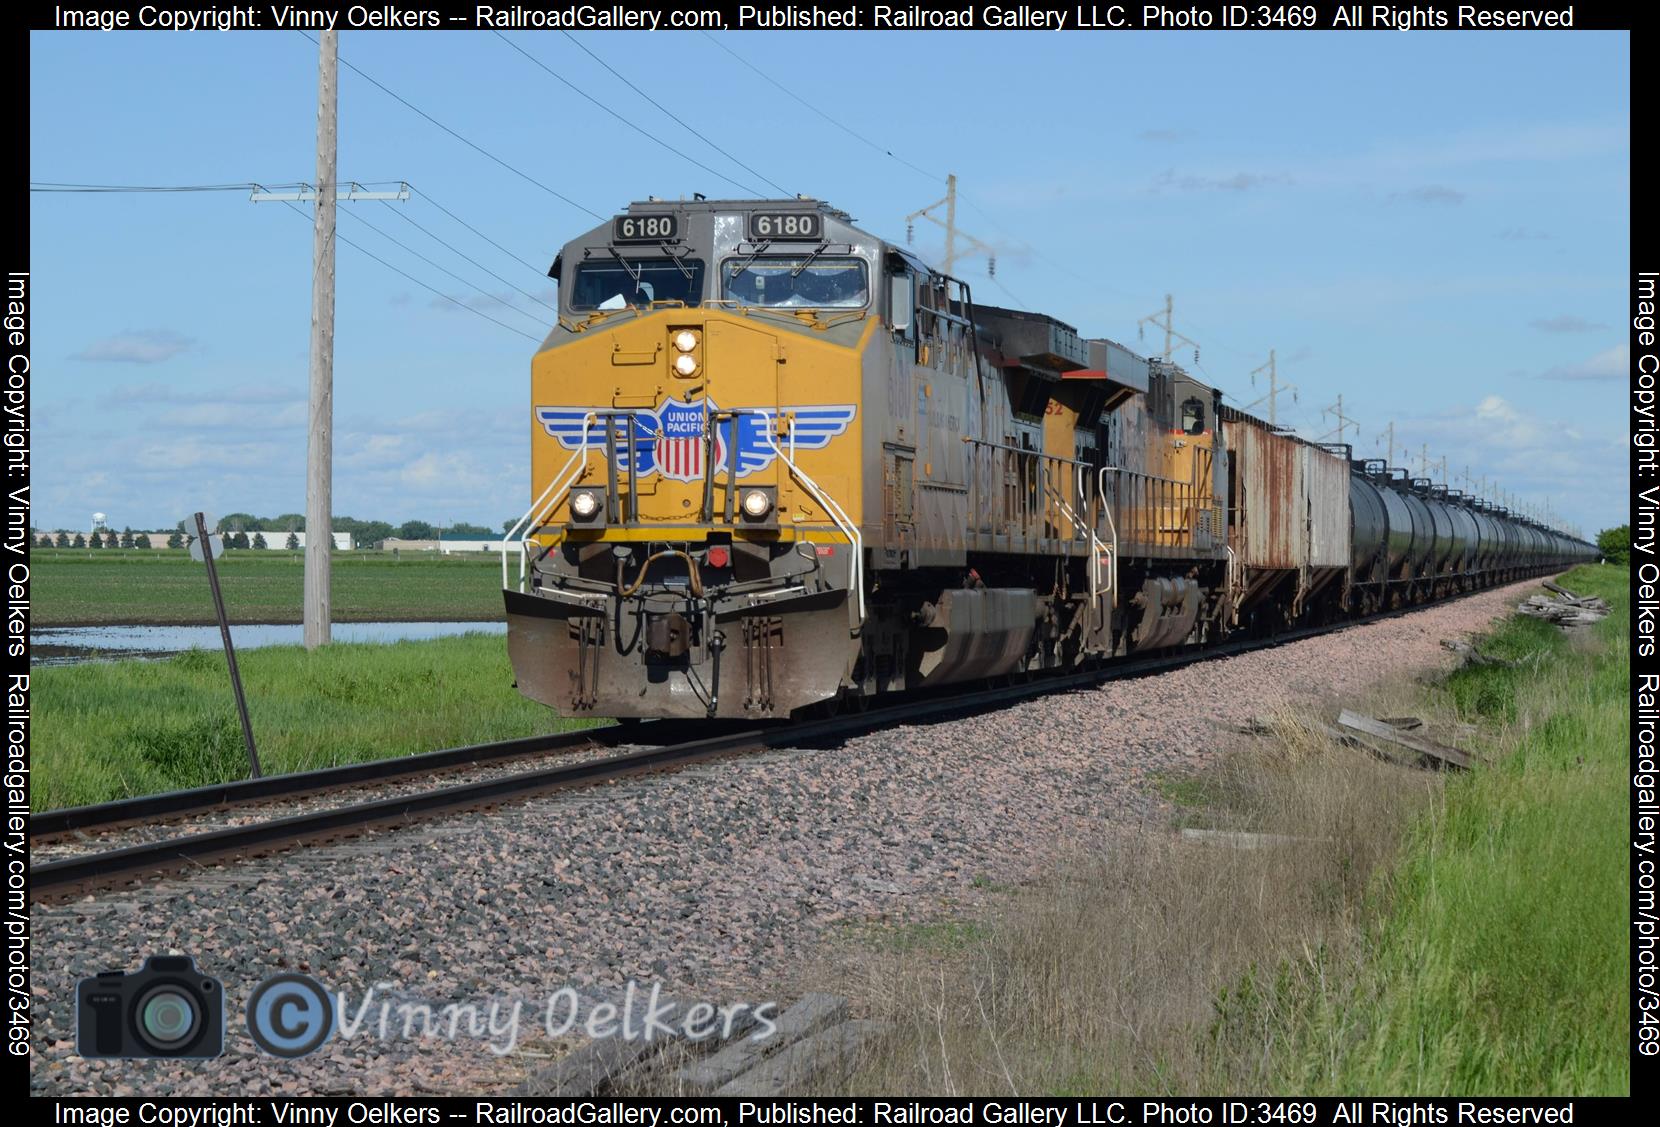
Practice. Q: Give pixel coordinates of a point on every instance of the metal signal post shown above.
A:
(206, 542)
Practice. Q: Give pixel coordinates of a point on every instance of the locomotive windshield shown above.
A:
(796, 282)
(637, 281)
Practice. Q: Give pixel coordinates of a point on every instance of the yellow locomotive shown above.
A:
(777, 461)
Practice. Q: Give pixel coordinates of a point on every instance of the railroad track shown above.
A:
(61, 878)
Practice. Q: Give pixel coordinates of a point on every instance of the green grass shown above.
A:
(108, 730)
(1407, 932)
(1502, 965)
(83, 588)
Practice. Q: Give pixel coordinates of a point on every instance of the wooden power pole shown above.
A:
(319, 532)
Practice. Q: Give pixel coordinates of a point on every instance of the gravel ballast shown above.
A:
(713, 882)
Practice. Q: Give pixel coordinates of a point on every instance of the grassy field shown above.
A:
(107, 730)
(1503, 964)
(84, 588)
(1405, 932)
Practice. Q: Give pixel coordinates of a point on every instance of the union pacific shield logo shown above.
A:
(678, 451)
(670, 439)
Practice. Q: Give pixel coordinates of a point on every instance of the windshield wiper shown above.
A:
(633, 272)
(668, 253)
(746, 263)
(808, 261)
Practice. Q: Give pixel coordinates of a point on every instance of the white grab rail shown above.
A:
(1095, 544)
(542, 504)
(837, 515)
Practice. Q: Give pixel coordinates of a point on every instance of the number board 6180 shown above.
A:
(786, 225)
(642, 228)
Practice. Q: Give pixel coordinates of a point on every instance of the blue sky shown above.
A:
(1433, 225)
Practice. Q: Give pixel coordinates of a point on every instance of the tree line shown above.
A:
(363, 531)
(247, 530)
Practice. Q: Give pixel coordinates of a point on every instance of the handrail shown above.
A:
(969, 438)
(837, 515)
(538, 506)
(1094, 541)
(1112, 530)
(1148, 476)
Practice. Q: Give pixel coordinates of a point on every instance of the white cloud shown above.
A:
(224, 393)
(1609, 364)
(1581, 467)
(235, 416)
(1430, 194)
(1236, 182)
(136, 346)
(1565, 323)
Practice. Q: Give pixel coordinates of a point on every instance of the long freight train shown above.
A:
(778, 461)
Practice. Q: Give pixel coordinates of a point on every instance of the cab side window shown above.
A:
(1193, 416)
(902, 303)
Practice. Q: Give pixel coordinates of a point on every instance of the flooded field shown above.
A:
(71, 645)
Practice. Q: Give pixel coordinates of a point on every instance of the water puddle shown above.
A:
(71, 645)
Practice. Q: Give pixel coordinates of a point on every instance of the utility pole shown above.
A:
(319, 520)
(951, 232)
(1343, 421)
(1387, 438)
(1423, 460)
(1272, 367)
(1170, 333)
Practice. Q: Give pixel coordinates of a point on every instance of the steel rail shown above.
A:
(47, 825)
(53, 879)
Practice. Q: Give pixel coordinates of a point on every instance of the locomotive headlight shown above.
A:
(685, 364)
(584, 504)
(685, 340)
(756, 504)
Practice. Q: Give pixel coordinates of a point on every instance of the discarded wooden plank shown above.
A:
(823, 1058)
(1367, 726)
(1404, 723)
(812, 1013)
(588, 1070)
(1560, 590)
(1335, 735)
(1242, 839)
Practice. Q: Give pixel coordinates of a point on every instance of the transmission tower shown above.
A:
(952, 234)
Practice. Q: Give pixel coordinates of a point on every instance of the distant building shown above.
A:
(343, 541)
(446, 545)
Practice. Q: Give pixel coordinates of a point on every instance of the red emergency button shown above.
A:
(718, 556)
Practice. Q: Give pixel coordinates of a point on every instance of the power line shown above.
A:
(638, 129)
(55, 186)
(935, 177)
(405, 274)
(676, 117)
(426, 196)
(475, 262)
(357, 70)
(844, 128)
(437, 266)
